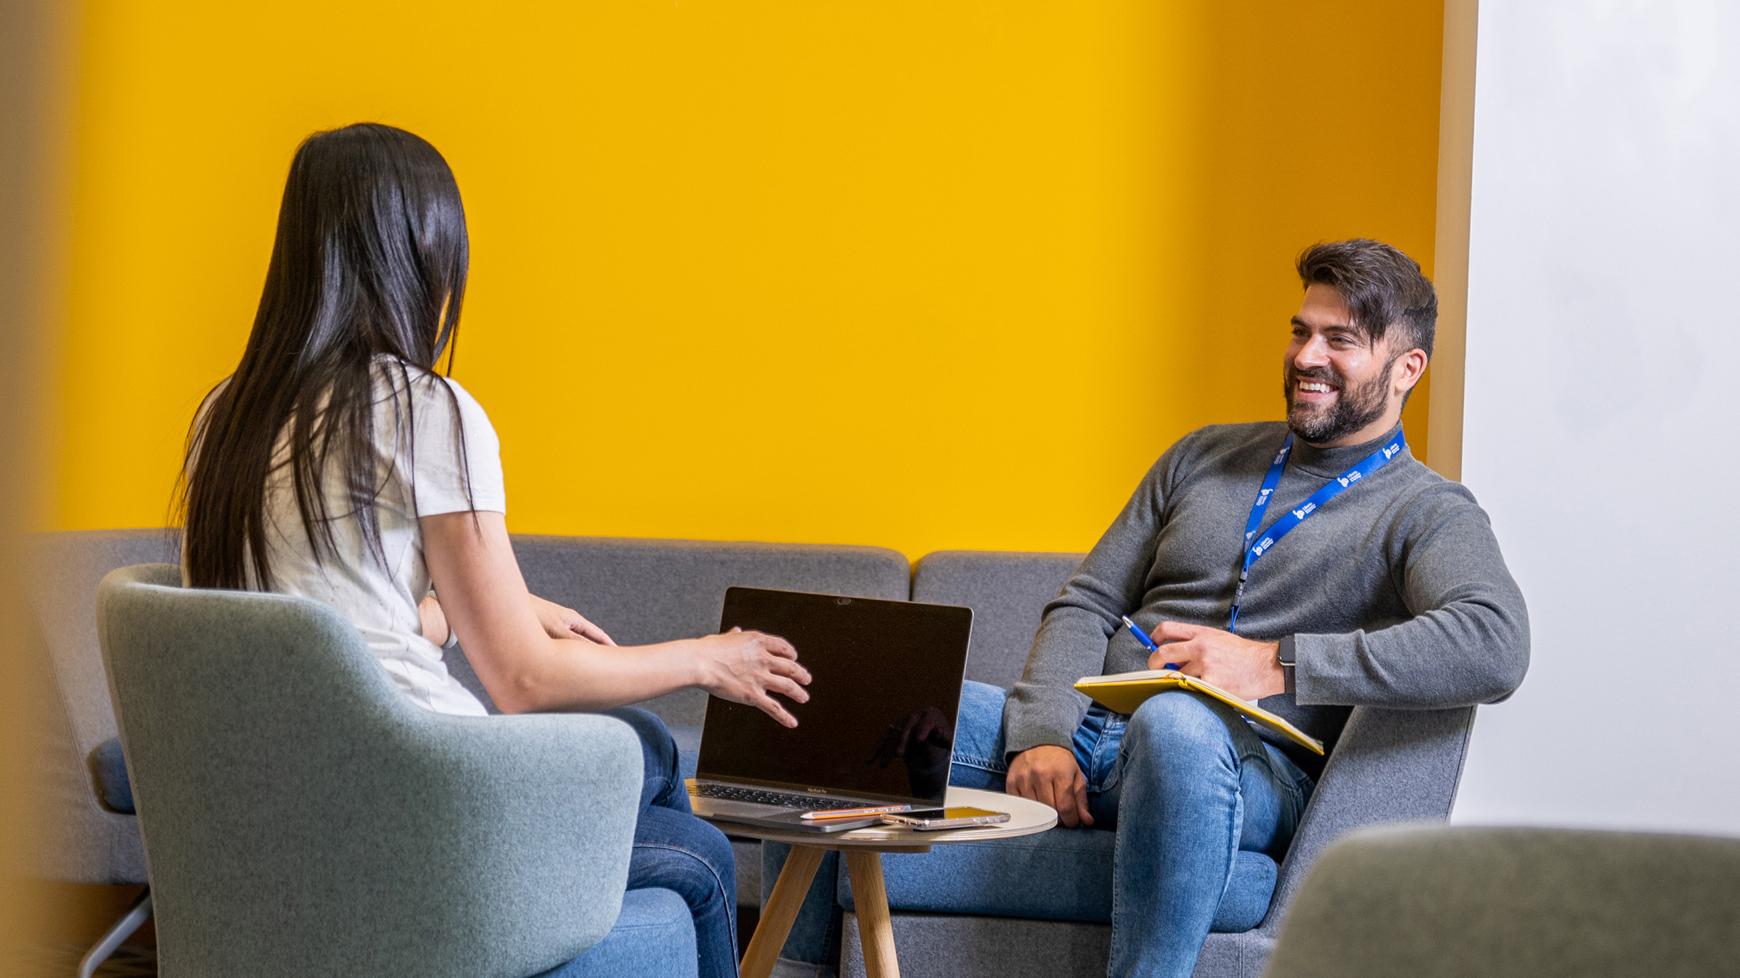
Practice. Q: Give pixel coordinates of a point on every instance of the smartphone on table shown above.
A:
(937, 819)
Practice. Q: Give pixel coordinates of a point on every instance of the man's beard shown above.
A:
(1354, 407)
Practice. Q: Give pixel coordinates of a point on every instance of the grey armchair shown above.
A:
(301, 817)
(1434, 902)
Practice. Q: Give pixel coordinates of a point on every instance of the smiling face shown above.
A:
(1342, 388)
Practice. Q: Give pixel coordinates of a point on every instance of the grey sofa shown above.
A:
(1385, 766)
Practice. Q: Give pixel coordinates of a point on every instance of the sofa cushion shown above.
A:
(949, 946)
(1063, 874)
(653, 938)
(1007, 592)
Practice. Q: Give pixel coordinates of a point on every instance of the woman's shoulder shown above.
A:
(453, 454)
(427, 391)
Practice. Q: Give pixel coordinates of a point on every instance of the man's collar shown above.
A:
(1331, 462)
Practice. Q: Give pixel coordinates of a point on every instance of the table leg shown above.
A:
(782, 910)
(875, 929)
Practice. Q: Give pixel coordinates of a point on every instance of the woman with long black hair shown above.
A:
(336, 464)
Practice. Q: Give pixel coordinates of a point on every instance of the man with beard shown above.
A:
(1373, 582)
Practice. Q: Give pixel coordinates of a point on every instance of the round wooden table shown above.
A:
(863, 849)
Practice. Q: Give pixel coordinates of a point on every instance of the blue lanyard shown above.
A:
(1285, 524)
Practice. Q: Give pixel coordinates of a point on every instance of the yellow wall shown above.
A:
(915, 274)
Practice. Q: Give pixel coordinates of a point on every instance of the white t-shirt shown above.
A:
(382, 601)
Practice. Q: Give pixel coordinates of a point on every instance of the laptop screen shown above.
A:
(885, 687)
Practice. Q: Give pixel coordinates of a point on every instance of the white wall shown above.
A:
(1600, 415)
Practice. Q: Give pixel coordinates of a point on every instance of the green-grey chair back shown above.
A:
(1434, 902)
(302, 817)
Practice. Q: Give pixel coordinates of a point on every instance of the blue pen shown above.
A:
(1142, 637)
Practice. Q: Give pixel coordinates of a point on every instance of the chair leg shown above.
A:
(116, 935)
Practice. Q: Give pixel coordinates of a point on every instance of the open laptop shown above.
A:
(879, 728)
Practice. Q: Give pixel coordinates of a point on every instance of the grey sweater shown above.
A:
(1394, 594)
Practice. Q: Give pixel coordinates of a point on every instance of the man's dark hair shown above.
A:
(1383, 288)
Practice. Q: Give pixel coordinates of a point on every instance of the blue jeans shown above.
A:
(1186, 784)
(676, 851)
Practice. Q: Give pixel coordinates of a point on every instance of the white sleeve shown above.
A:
(437, 476)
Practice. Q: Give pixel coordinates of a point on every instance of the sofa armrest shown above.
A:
(1387, 766)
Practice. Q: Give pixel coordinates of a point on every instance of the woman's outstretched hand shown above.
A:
(748, 667)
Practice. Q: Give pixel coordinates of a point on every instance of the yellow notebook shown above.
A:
(1124, 691)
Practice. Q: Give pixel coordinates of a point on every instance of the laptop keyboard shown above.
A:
(783, 799)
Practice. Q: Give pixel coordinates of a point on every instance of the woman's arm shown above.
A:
(486, 603)
(557, 621)
(560, 622)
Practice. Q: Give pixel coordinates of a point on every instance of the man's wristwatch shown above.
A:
(1284, 658)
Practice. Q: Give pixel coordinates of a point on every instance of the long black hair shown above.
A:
(368, 268)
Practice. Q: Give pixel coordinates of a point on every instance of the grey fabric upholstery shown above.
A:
(89, 842)
(1434, 902)
(995, 878)
(1006, 591)
(946, 946)
(1387, 765)
(302, 817)
(656, 590)
(943, 946)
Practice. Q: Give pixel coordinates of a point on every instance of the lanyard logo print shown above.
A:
(1287, 521)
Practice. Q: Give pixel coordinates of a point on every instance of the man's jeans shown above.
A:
(1186, 783)
(676, 851)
